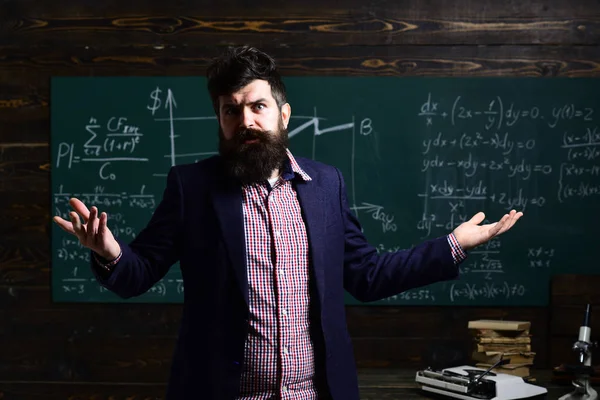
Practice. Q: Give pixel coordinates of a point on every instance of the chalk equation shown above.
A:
(498, 114)
(113, 141)
(540, 257)
(89, 286)
(496, 141)
(487, 290)
(100, 197)
(470, 165)
(460, 292)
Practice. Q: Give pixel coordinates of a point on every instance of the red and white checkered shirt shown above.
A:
(279, 359)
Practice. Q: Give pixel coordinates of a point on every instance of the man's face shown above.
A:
(251, 107)
(252, 132)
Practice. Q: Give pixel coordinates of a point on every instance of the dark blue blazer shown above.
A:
(199, 223)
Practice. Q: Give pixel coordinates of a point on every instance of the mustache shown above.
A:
(249, 134)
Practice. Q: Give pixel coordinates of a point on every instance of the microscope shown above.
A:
(583, 370)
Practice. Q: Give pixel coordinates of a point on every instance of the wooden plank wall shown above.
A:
(97, 351)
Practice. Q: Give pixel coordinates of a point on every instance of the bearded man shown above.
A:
(267, 246)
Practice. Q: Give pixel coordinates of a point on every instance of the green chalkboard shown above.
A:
(419, 155)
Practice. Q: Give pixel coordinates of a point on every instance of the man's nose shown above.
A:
(246, 118)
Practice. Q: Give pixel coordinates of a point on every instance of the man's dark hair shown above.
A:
(239, 66)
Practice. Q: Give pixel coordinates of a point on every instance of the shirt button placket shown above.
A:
(275, 219)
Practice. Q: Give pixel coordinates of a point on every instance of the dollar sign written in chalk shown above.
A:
(154, 100)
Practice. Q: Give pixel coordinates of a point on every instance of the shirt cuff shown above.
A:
(105, 264)
(458, 254)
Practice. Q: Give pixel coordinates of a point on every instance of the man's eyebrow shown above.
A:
(228, 105)
(232, 103)
(261, 100)
(253, 102)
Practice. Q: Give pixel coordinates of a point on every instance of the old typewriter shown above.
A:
(471, 383)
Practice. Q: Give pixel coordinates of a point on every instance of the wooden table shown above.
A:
(387, 384)
(375, 384)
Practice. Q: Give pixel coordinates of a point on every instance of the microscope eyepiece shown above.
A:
(588, 315)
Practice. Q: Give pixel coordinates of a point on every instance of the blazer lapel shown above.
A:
(312, 201)
(227, 200)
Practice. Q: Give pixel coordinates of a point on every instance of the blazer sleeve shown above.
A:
(154, 250)
(369, 276)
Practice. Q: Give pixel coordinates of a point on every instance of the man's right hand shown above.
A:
(93, 232)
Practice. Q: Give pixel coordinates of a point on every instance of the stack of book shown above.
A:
(499, 340)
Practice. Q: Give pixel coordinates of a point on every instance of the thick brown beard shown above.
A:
(254, 162)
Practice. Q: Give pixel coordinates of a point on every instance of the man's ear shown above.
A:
(286, 113)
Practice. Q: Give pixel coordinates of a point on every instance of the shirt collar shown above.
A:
(291, 168)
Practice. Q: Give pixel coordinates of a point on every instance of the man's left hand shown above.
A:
(470, 234)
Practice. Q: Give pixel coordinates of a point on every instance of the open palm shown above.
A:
(93, 232)
(471, 234)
